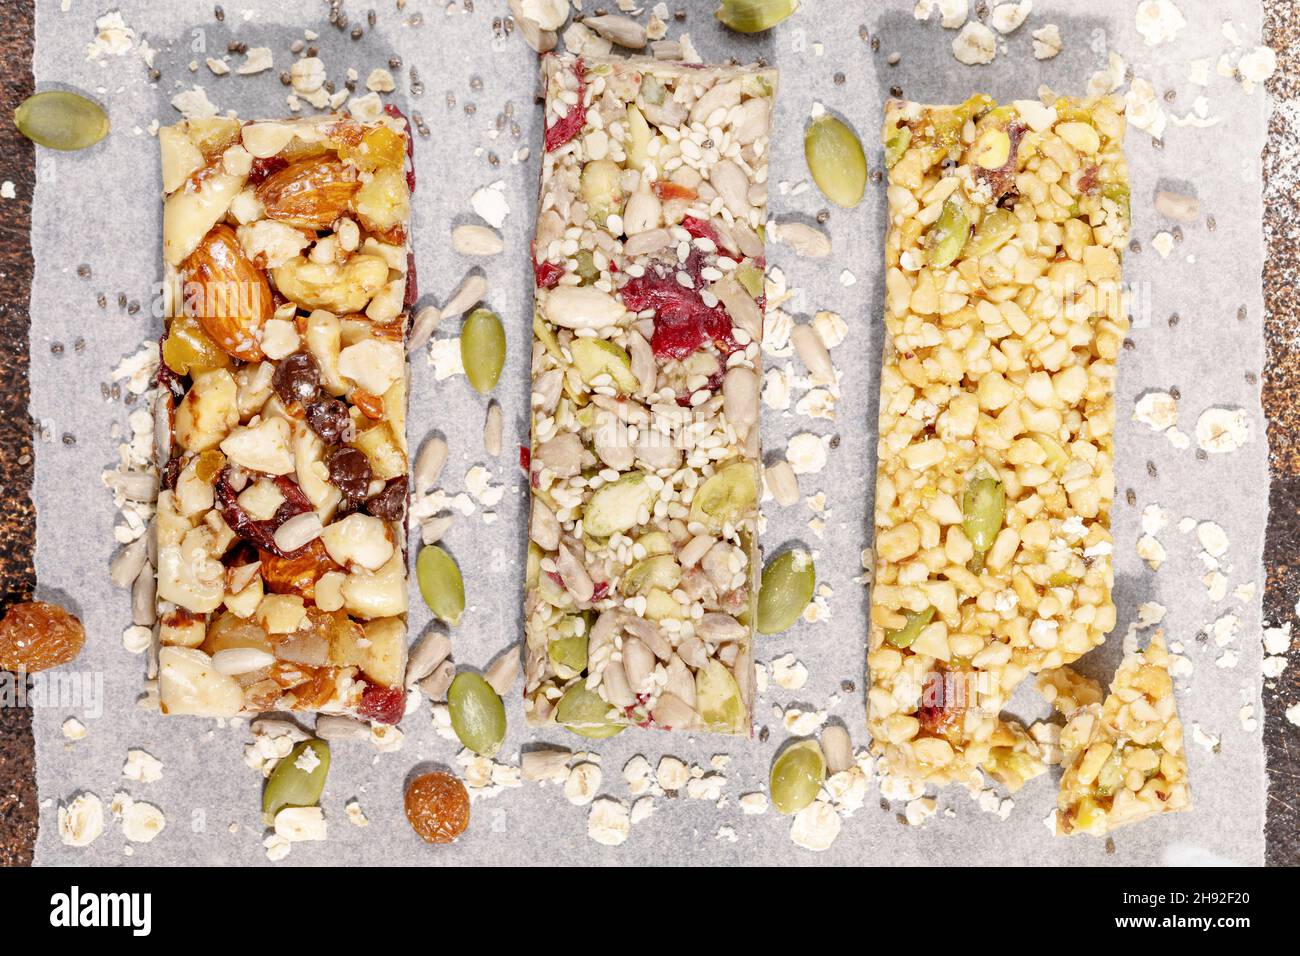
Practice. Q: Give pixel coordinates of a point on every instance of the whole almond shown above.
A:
(227, 293)
(311, 193)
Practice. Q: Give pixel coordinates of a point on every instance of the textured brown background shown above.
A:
(1281, 384)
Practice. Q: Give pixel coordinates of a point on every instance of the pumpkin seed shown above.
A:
(836, 161)
(754, 16)
(785, 590)
(569, 655)
(994, 231)
(984, 507)
(726, 497)
(595, 357)
(896, 146)
(62, 120)
(441, 585)
(797, 775)
(483, 349)
(585, 713)
(477, 714)
(909, 632)
(948, 235)
(292, 786)
(718, 699)
(617, 506)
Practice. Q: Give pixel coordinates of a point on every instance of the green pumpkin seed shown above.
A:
(797, 775)
(718, 699)
(909, 632)
(1119, 194)
(569, 654)
(984, 507)
(754, 16)
(994, 231)
(595, 357)
(483, 349)
(290, 785)
(477, 714)
(785, 590)
(585, 713)
(617, 506)
(61, 120)
(896, 146)
(441, 585)
(836, 161)
(726, 497)
(948, 235)
(751, 278)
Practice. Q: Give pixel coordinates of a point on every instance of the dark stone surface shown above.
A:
(17, 518)
(18, 807)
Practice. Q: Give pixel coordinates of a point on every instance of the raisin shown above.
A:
(350, 472)
(329, 419)
(389, 504)
(437, 805)
(35, 636)
(297, 378)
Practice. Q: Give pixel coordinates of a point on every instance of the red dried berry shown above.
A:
(565, 129)
(383, 705)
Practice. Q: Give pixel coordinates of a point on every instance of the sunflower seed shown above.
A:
(338, 727)
(783, 484)
(492, 429)
(432, 529)
(128, 562)
(624, 31)
(470, 292)
(432, 650)
(435, 685)
(812, 352)
(425, 324)
(501, 673)
(429, 463)
(473, 240)
(804, 239)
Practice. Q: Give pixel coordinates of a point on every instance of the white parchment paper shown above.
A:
(101, 208)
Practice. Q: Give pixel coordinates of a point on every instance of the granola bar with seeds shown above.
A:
(644, 459)
(1004, 317)
(1124, 759)
(281, 523)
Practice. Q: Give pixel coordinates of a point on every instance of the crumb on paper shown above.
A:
(975, 45)
(815, 827)
(1047, 42)
(609, 822)
(81, 821)
(142, 766)
(1158, 21)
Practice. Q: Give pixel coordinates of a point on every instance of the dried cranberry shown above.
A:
(329, 419)
(384, 705)
(525, 458)
(350, 472)
(668, 190)
(564, 130)
(600, 590)
(259, 533)
(547, 274)
(700, 229)
(297, 378)
(389, 504)
(683, 323)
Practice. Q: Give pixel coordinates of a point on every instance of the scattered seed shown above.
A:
(797, 775)
(483, 349)
(426, 322)
(471, 291)
(61, 120)
(492, 428)
(477, 715)
(429, 463)
(785, 589)
(475, 240)
(441, 584)
(836, 161)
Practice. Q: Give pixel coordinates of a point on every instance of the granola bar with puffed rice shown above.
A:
(281, 579)
(1124, 758)
(648, 258)
(1004, 317)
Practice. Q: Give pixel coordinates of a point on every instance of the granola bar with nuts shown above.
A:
(1124, 757)
(281, 417)
(644, 460)
(1004, 317)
